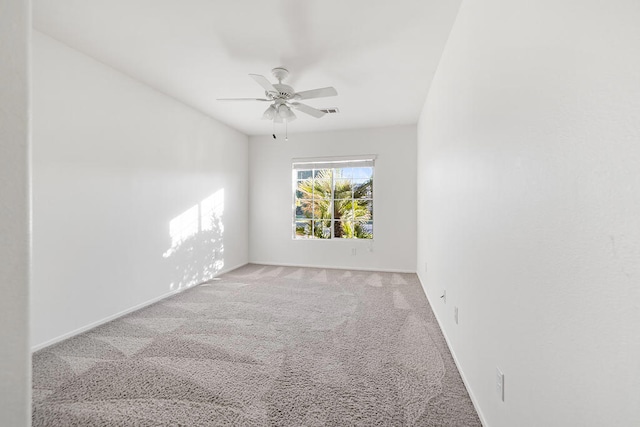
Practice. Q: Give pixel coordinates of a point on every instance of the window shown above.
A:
(333, 198)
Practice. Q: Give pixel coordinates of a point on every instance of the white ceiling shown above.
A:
(379, 55)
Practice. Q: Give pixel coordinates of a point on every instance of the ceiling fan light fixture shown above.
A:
(270, 113)
(285, 112)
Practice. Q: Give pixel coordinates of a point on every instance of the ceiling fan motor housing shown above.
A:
(285, 92)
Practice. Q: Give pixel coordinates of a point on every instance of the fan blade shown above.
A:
(262, 81)
(316, 93)
(243, 99)
(308, 110)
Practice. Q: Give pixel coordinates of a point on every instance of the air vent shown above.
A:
(330, 110)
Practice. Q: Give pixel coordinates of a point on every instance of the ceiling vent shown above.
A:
(330, 110)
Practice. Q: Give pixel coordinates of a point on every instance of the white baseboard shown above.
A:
(331, 267)
(123, 313)
(455, 360)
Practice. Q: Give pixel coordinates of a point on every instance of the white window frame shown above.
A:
(297, 164)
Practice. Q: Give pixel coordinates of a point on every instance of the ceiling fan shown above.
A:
(284, 98)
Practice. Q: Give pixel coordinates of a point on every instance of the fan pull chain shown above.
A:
(286, 130)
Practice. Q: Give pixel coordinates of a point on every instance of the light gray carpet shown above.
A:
(263, 346)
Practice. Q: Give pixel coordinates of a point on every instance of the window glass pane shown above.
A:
(322, 189)
(359, 212)
(304, 208)
(368, 204)
(302, 213)
(304, 174)
(364, 230)
(321, 229)
(343, 196)
(360, 182)
(337, 229)
(304, 189)
(343, 209)
(342, 188)
(322, 208)
(303, 229)
(345, 172)
(322, 173)
(362, 173)
(343, 229)
(322, 183)
(363, 190)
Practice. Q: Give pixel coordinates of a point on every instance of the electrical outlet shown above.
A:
(353, 251)
(500, 384)
(455, 314)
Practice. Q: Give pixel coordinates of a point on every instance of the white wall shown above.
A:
(15, 360)
(394, 201)
(529, 208)
(114, 162)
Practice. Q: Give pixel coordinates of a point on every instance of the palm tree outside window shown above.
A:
(333, 198)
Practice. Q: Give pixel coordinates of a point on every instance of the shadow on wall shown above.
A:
(197, 243)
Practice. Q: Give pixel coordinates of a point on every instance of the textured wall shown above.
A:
(528, 208)
(394, 202)
(15, 386)
(135, 195)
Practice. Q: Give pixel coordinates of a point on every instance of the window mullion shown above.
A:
(333, 184)
(313, 203)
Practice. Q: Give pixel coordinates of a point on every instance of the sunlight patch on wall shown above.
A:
(197, 248)
(212, 209)
(184, 226)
